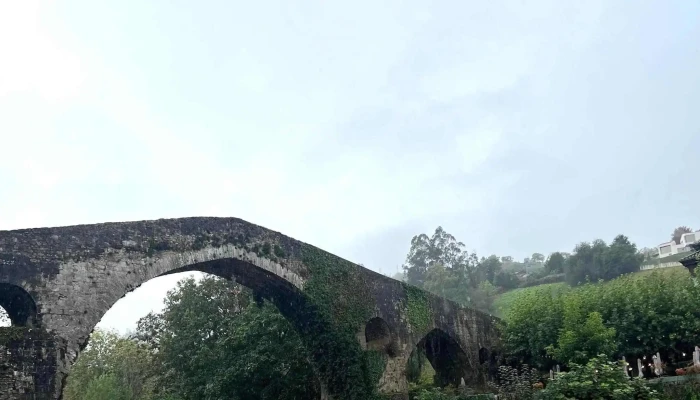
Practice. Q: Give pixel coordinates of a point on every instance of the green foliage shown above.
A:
(214, 342)
(597, 379)
(439, 249)
(438, 394)
(555, 263)
(678, 232)
(516, 385)
(591, 262)
(649, 312)
(504, 301)
(106, 386)
(582, 338)
(337, 302)
(418, 309)
(506, 280)
(11, 333)
(532, 324)
(111, 367)
(684, 391)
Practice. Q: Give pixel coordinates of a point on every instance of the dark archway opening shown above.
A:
(264, 290)
(483, 355)
(446, 361)
(18, 306)
(378, 337)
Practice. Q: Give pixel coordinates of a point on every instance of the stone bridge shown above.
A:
(57, 283)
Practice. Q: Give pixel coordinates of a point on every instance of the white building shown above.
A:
(671, 248)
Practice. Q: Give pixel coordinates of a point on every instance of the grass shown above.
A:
(503, 301)
(673, 258)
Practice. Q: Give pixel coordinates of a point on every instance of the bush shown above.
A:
(650, 312)
(601, 379)
(686, 391)
(537, 280)
(514, 385)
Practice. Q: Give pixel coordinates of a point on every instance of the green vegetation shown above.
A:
(212, 341)
(336, 302)
(503, 302)
(216, 340)
(599, 378)
(440, 264)
(418, 308)
(649, 312)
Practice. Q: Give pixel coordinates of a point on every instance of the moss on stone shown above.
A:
(342, 304)
(11, 334)
(417, 308)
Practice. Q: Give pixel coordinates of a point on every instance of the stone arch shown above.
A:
(18, 304)
(378, 337)
(267, 279)
(102, 285)
(446, 357)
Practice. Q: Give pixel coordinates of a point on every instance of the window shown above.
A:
(689, 238)
(665, 249)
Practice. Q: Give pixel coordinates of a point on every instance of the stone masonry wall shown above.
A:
(75, 274)
(27, 364)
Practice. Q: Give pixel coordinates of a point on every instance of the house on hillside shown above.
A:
(671, 248)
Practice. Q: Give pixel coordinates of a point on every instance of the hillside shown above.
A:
(504, 300)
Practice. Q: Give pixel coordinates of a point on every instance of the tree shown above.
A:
(215, 342)
(506, 280)
(441, 248)
(599, 378)
(582, 338)
(597, 260)
(537, 258)
(506, 259)
(678, 232)
(555, 263)
(621, 258)
(106, 386)
(488, 268)
(650, 313)
(111, 366)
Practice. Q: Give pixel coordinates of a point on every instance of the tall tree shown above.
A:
(537, 258)
(111, 367)
(621, 258)
(586, 263)
(555, 263)
(441, 248)
(215, 342)
(678, 232)
(488, 268)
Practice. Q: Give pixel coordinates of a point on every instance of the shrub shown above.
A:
(601, 379)
(514, 385)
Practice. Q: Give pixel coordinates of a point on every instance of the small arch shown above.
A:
(447, 359)
(18, 304)
(378, 336)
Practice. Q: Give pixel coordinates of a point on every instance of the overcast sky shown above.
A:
(519, 127)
